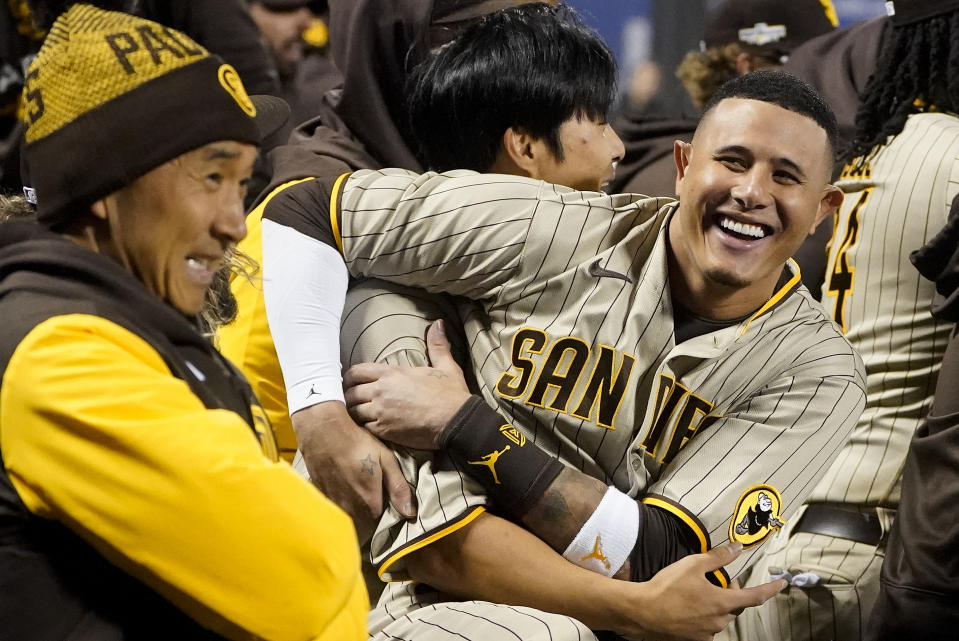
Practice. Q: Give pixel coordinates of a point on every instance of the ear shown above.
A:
(682, 153)
(519, 149)
(831, 200)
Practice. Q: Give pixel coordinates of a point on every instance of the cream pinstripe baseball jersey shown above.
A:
(573, 342)
(898, 203)
(894, 205)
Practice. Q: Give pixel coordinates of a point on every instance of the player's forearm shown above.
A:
(591, 524)
(563, 509)
(480, 561)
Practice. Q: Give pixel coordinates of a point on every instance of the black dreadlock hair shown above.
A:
(917, 70)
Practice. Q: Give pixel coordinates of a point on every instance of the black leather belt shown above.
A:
(863, 527)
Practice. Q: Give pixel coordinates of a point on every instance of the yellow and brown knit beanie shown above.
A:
(111, 96)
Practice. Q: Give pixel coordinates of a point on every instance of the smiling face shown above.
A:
(591, 150)
(752, 185)
(172, 226)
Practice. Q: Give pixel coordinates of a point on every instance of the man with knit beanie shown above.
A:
(140, 491)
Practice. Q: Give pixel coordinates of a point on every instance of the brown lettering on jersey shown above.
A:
(693, 415)
(560, 372)
(155, 44)
(525, 341)
(562, 369)
(608, 385)
(667, 400)
(122, 45)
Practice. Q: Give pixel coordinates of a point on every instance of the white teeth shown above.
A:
(198, 263)
(740, 228)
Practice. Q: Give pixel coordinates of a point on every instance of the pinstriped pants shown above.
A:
(837, 609)
(405, 613)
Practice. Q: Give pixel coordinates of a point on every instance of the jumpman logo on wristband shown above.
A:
(597, 553)
(490, 461)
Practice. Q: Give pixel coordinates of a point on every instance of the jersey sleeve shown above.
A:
(98, 434)
(384, 322)
(447, 500)
(480, 236)
(750, 465)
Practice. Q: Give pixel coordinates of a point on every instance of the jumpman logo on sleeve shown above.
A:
(490, 461)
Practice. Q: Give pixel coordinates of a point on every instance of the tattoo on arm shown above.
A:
(369, 465)
(564, 508)
(555, 508)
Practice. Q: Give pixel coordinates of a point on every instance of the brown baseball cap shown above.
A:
(776, 26)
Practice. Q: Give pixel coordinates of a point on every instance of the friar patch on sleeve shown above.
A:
(757, 514)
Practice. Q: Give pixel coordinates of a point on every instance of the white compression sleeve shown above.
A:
(304, 287)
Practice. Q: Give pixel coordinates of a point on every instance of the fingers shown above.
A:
(363, 413)
(357, 395)
(751, 597)
(364, 373)
(439, 348)
(720, 556)
(396, 486)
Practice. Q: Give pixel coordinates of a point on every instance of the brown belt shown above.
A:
(864, 527)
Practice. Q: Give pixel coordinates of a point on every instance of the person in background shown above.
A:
(838, 64)
(296, 39)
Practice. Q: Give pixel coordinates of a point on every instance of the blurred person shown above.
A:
(297, 41)
(919, 581)
(140, 494)
(740, 36)
(282, 23)
(899, 186)
(838, 64)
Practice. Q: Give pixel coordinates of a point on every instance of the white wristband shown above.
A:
(606, 540)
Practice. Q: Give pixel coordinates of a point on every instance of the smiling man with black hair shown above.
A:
(643, 413)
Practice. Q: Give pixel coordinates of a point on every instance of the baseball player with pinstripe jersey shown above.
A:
(898, 195)
(706, 383)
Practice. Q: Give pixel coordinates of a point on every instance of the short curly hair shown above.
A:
(703, 72)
